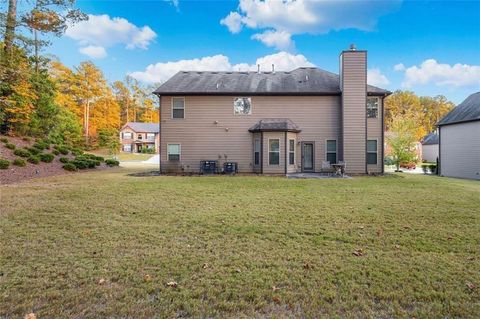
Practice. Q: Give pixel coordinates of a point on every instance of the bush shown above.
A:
(148, 150)
(425, 169)
(10, 146)
(69, 167)
(433, 169)
(4, 164)
(55, 152)
(4, 140)
(47, 157)
(77, 151)
(22, 152)
(34, 159)
(63, 150)
(19, 162)
(111, 162)
(27, 139)
(42, 145)
(33, 150)
(64, 160)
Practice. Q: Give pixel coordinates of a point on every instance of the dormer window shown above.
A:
(242, 106)
(372, 107)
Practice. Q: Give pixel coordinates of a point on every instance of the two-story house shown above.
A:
(135, 136)
(274, 122)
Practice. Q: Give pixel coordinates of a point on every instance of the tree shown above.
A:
(401, 138)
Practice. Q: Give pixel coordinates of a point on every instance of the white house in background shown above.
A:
(430, 147)
(459, 140)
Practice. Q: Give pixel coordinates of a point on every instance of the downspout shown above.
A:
(285, 149)
(160, 134)
(261, 153)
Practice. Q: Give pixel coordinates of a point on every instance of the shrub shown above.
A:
(19, 162)
(4, 140)
(47, 157)
(33, 150)
(425, 169)
(148, 150)
(10, 146)
(34, 159)
(22, 152)
(4, 164)
(69, 167)
(77, 151)
(27, 139)
(64, 160)
(63, 150)
(111, 162)
(433, 169)
(41, 145)
(81, 164)
(55, 152)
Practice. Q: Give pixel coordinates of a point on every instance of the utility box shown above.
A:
(208, 167)
(230, 168)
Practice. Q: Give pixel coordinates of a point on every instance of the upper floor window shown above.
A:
(127, 135)
(242, 106)
(178, 108)
(150, 136)
(372, 107)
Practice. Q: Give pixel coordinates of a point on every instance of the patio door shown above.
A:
(308, 156)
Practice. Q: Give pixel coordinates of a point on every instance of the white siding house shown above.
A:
(430, 148)
(460, 140)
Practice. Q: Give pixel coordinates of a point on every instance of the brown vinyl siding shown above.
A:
(354, 110)
(229, 139)
(374, 132)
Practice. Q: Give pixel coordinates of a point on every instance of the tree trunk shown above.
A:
(10, 28)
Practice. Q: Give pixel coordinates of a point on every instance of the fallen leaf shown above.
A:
(449, 238)
(361, 227)
(276, 300)
(358, 252)
(101, 281)
(397, 246)
(172, 284)
(275, 288)
(205, 266)
(30, 316)
(147, 277)
(307, 266)
(238, 270)
(471, 286)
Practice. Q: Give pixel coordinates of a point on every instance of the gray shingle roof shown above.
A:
(142, 127)
(271, 125)
(430, 139)
(301, 81)
(468, 110)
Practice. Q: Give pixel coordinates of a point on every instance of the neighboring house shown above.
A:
(459, 140)
(430, 148)
(274, 122)
(134, 136)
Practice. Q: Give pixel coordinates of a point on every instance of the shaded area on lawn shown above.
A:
(105, 244)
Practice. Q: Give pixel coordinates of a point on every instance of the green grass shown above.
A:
(122, 156)
(239, 247)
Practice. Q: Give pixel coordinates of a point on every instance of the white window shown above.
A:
(127, 135)
(274, 152)
(332, 151)
(372, 107)
(173, 152)
(291, 152)
(256, 152)
(127, 148)
(372, 152)
(150, 136)
(178, 108)
(242, 106)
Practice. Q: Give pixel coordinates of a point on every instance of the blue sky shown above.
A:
(430, 47)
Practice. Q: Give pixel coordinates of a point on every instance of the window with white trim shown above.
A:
(127, 147)
(291, 152)
(150, 136)
(242, 106)
(178, 108)
(256, 152)
(274, 152)
(127, 135)
(332, 151)
(372, 107)
(173, 152)
(372, 152)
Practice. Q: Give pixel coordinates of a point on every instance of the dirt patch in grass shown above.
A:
(108, 245)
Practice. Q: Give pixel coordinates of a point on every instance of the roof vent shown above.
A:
(258, 68)
(353, 47)
(273, 68)
(218, 85)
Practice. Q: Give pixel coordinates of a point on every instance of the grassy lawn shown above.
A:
(105, 245)
(122, 156)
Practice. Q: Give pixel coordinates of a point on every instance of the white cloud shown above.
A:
(376, 78)
(162, 71)
(441, 74)
(233, 22)
(95, 52)
(103, 31)
(278, 39)
(306, 16)
(399, 67)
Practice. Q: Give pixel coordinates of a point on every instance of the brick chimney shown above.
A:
(353, 84)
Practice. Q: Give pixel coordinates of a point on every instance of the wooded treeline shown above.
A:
(41, 97)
